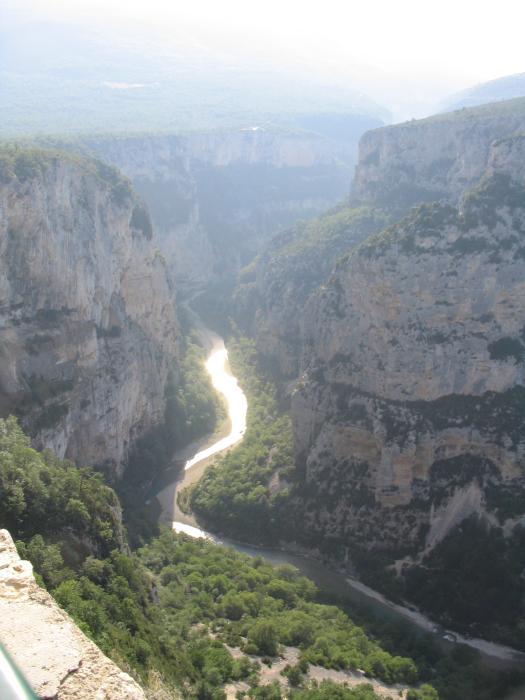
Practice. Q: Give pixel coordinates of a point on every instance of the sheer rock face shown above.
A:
(215, 197)
(87, 324)
(409, 416)
(56, 658)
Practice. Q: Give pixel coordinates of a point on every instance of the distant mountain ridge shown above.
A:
(506, 88)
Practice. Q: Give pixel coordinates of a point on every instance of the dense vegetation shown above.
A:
(476, 581)
(476, 585)
(249, 604)
(236, 496)
(194, 407)
(339, 229)
(167, 611)
(41, 495)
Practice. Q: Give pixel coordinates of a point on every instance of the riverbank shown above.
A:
(344, 587)
(191, 462)
(195, 464)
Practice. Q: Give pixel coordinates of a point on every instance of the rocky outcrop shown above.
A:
(87, 325)
(216, 196)
(56, 658)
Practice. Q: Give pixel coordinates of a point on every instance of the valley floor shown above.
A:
(289, 656)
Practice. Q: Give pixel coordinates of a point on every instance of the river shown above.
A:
(199, 455)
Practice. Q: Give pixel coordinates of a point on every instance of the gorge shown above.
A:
(383, 343)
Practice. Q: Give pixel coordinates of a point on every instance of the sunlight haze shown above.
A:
(405, 40)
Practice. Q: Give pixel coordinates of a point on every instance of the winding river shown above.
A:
(199, 455)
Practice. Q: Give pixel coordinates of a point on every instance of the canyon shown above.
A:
(92, 265)
(393, 326)
(215, 197)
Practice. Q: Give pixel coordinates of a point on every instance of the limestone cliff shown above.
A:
(409, 350)
(87, 323)
(409, 415)
(438, 158)
(56, 658)
(216, 196)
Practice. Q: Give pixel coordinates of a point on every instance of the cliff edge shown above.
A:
(88, 333)
(57, 659)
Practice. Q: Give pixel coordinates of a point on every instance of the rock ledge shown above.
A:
(58, 660)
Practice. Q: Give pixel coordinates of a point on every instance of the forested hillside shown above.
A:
(173, 611)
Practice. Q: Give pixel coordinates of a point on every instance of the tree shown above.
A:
(233, 606)
(426, 692)
(77, 513)
(265, 637)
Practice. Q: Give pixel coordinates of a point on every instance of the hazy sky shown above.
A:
(454, 39)
(384, 47)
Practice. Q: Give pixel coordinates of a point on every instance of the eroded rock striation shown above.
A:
(87, 324)
(56, 658)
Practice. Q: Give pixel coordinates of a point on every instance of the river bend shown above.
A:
(198, 456)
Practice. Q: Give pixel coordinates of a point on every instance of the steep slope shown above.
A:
(88, 331)
(395, 325)
(409, 417)
(438, 158)
(274, 289)
(56, 658)
(216, 196)
(408, 409)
